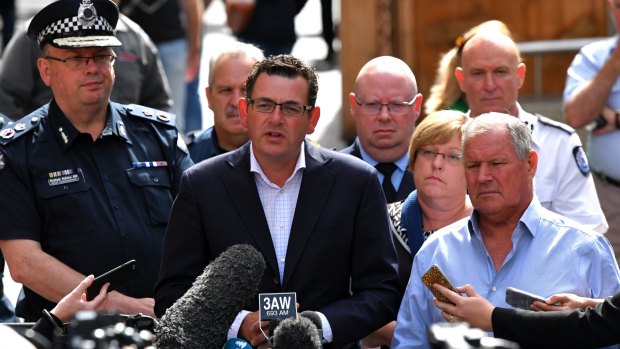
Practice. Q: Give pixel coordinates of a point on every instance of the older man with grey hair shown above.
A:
(228, 70)
(510, 240)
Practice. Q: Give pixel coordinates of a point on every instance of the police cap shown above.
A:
(76, 23)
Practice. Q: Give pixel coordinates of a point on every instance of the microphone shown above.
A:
(316, 320)
(298, 333)
(202, 316)
(237, 343)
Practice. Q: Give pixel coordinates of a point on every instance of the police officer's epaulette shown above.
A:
(13, 130)
(150, 114)
(559, 125)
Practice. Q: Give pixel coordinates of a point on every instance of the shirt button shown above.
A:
(282, 259)
(281, 226)
(494, 289)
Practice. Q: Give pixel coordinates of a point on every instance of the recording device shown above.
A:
(204, 313)
(117, 277)
(435, 275)
(447, 335)
(298, 333)
(522, 299)
(237, 343)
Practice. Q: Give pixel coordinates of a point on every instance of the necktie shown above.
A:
(386, 169)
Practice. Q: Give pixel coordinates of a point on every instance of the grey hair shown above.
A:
(520, 135)
(235, 49)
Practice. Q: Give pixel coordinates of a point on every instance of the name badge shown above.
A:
(277, 305)
(63, 177)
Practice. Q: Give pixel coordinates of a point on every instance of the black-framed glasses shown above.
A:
(288, 108)
(77, 62)
(453, 159)
(373, 108)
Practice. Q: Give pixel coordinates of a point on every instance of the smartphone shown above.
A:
(117, 277)
(521, 299)
(434, 275)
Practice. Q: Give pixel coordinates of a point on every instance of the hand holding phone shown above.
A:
(435, 275)
(522, 299)
(117, 277)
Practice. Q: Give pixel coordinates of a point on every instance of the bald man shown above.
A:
(490, 75)
(385, 105)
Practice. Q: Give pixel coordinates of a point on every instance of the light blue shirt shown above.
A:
(602, 150)
(550, 254)
(399, 173)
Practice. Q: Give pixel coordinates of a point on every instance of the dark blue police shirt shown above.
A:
(203, 145)
(93, 205)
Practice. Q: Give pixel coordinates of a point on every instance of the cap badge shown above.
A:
(87, 14)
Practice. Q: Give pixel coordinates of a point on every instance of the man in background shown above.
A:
(491, 74)
(385, 105)
(592, 95)
(228, 71)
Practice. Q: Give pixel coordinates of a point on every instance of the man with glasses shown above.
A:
(86, 184)
(317, 216)
(385, 105)
(491, 74)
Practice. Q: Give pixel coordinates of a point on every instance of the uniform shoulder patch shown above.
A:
(151, 114)
(582, 160)
(16, 129)
(559, 125)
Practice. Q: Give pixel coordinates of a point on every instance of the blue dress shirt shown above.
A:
(550, 254)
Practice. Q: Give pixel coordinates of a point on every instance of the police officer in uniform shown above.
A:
(86, 184)
(490, 75)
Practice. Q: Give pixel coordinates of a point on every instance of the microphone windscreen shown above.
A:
(314, 317)
(297, 333)
(202, 316)
(237, 343)
(273, 324)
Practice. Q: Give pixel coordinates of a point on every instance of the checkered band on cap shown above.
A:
(70, 25)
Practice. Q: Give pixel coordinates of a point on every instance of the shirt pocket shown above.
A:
(70, 205)
(155, 185)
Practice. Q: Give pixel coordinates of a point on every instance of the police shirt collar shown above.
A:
(115, 125)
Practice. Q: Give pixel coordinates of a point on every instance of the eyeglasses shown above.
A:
(453, 159)
(288, 108)
(374, 108)
(77, 62)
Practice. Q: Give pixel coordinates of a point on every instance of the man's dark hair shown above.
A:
(286, 66)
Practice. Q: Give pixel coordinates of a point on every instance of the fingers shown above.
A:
(83, 285)
(541, 306)
(452, 296)
(469, 290)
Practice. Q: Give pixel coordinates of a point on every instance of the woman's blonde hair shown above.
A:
(445, 92)
(436, 128)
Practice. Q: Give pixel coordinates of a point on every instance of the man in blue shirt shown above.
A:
(509, 240)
